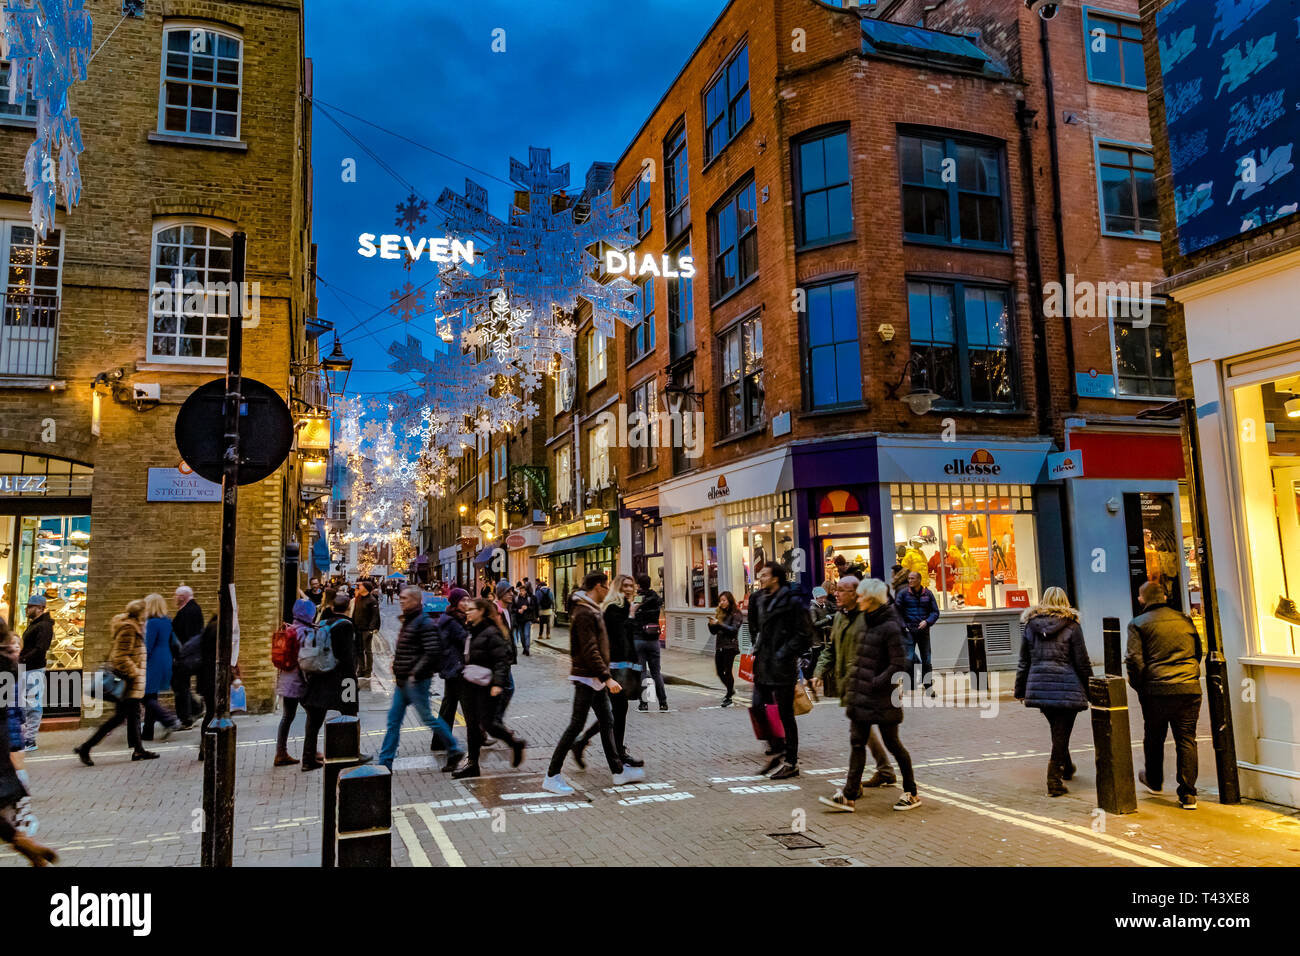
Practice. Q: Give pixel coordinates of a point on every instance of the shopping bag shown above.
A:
(238, 697)
(628, 676)
(774, 722)
(758, 719)
(746, 671)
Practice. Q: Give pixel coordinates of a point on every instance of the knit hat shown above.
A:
(455, 596)
(819, 592)
(37, 600)
(304, 611)
(502, 588)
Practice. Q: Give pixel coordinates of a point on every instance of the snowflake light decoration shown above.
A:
(47, 44)
(410, 214)
(408, 302)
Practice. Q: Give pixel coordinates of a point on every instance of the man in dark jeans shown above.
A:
(920, 611)
(186, 626)
(592, 684)
(1164, 667)
(781, 629)
(365, 618)
(645, 613)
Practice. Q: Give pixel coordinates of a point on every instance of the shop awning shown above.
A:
(579, 542)
(422, 559)
(483, 557)
(320, 555)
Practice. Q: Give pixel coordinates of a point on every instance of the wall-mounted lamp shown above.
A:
(921, 398)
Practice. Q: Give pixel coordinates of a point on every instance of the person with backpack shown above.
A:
(327, 660)
(290, 685)
(524, 612)
(545, 609)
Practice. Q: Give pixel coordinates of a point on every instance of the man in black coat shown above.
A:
(645, 625)
(36, 647)
(416, 658)
(873, 695)
(1164, 667)
(782, 631)
(187, 626)
(365, 618)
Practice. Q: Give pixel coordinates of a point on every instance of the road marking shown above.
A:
(412, 842)
(734, 779)
(656, 798)
(540, 795)
(445, 846)
(634, 787)
(546, 807)
(769, 788)
(1071, 833)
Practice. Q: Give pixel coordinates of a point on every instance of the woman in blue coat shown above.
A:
(158, 667)
(1053, 676)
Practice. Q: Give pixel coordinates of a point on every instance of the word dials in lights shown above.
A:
(629, 264)
(441, 249)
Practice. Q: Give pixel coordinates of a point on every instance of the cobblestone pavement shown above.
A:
(982, 782)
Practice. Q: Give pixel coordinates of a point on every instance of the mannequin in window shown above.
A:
(913, 559)
(967, 570)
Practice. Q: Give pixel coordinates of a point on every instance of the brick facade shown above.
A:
(132, 178)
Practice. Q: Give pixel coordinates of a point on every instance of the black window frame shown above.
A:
(677, 218)
(1093, 18)
(639, 196)
(805, 322)
(747, 238)
(731, 99)
(1159, 319)
(641, 337)
(748, 382)
(951, 142)
(800, 197)
(643, 397)
(682, 376)
(1131, 149)
(961, 361)
(680, 298)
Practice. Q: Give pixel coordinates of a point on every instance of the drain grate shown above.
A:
(837, 861)
(796, 841)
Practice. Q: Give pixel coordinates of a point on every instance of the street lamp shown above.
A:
(920, 399)
(337, 366)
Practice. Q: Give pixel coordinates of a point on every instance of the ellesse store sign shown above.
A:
(720, 490)
(982, 464)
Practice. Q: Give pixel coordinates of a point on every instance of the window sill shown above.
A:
(18, 122)
(735, 292)
(35, 382)
(826, 243)
(1261, 661)
(739, 436)
(183, 368)
(643, 472)
(949, 244)
(978, 410)
(176, 139)
(1140, 236)
(1118, 86)
(638, 359)
(859, 408)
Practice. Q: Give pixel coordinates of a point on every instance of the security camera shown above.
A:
(1046, 11)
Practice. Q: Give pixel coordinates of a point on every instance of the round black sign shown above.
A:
(265, 430)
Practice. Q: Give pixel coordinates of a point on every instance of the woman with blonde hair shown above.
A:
(128, 661)
(1053, 676)
(158, 667)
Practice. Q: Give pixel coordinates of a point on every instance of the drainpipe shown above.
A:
(1057, 222)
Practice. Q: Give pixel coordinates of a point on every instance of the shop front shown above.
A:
(642, 527)
(45, 538)
(722, 526)
(521, 546)
(1245, 358)
(1132, 522)
(447, 558)
(570, 551)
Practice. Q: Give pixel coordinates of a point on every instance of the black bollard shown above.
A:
(979, 662)
(219, 793)
(1111, 646)
(365, 817)
(342, 751)
(1110, 736)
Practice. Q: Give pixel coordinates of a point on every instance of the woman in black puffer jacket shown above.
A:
(489, 649)
(1053, 676)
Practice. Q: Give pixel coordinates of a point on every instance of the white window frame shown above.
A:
(597, 364)
(190, 26)
(17, 119)
(564, 390)
(1111, 304)
(160, 226)
(563, 475)
(36, 336)
(598, 457)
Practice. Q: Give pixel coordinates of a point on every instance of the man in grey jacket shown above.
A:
(1164, 667)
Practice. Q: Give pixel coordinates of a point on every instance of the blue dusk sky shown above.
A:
(577, 76)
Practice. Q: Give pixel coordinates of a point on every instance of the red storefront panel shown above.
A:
(1129, 455)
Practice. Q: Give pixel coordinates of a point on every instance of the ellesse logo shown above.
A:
(720, 490)
(981, 462)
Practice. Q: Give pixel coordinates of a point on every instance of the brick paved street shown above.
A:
(981, 780)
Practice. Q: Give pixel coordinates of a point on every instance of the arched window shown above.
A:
(189, 304)
(201, 75)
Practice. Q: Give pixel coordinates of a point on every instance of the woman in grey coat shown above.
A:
(1053, 676)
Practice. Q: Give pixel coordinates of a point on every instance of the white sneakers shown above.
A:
(557, 784)
(629, 775)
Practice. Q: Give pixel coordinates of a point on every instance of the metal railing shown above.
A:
(29, 335)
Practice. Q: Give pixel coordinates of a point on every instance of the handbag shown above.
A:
(746, 670)
(107, 685)
(477, 674)
(628, 675)
(802, 701)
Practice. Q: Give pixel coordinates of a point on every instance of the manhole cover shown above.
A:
(796, 841)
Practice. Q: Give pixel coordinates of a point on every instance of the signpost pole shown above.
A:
(219, 740)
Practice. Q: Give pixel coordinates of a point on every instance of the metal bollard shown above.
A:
(342, 750)
(219, 793)
(365, 817)
(1110, 736)
(1111, 646)
(976, 655)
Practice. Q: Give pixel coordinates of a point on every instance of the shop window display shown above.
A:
(973, 545)
(52, 559)
(848, 537)
(755, 545)
(1268, 451)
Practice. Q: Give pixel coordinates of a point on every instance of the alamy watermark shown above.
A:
(674, 428)
(63, 689)
(1087, 300)
(953, 689)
